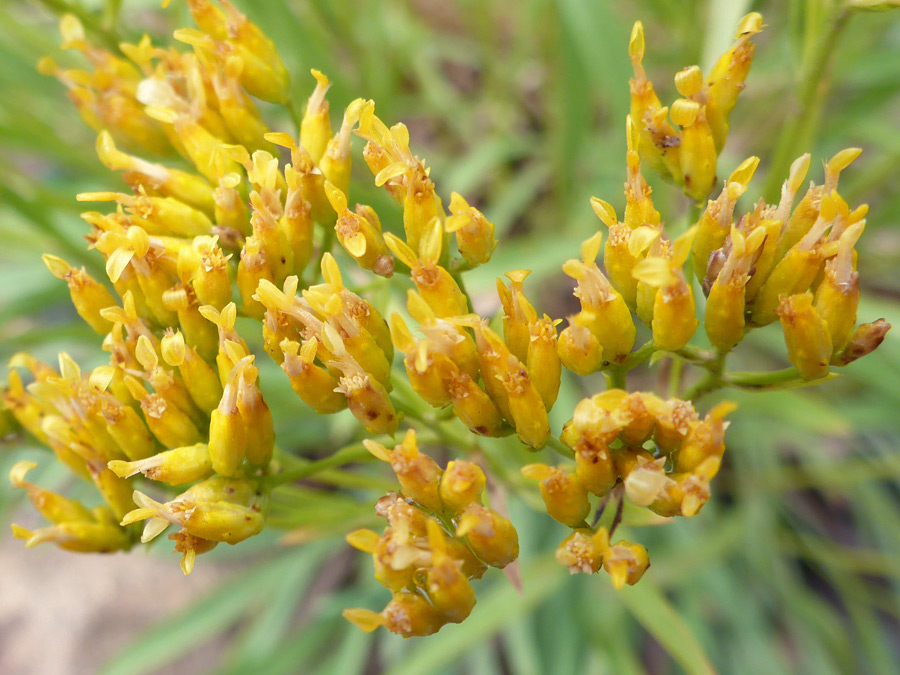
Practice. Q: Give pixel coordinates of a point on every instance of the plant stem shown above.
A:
(559, 447)
(616, 377)
(711, 381)
(353, 453)
(675, 378)
(326, 246)
(92, 24)
(799, 129)
(294, 113)
(788, 378)
(639, 356)
(457, 277)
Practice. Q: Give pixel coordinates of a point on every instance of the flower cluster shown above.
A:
(688, 156)
(659, 452)
(439, 536)
(178, 410)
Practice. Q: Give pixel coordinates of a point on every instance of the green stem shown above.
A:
(712, 380)
(639, 356)
(788, 378)
(353, 453)
(616, 378)
(559, 447)
(457, 277)
(327, 244)
(91, 23)
(799, 129)
(697, 357)
(295, 114)
(111, 9)
(675, 378)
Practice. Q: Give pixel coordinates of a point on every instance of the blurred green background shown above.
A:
(794, 565)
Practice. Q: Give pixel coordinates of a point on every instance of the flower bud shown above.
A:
(472, 405)
(256, 416)
(698, 150)
(54, 507)
(315, 128)
(419, 475)
(474, 233)
(88, 295)
(421, 206)
(583, 550)
(336, 163)
(544, 364)
(434, 283)
(594, 467)
(806, 336)
(726, 79)
(77, 536)
(725, 307)
(312, 383)
(837, 296)
(490, 536)
(201, 379)
(171, 426)
(579, 350)
(461, 484)
(705, 439)
(227, 430)
(659, 141)
(865, 340)
(407, 614)
(527, 410)
(449, 590)
(564, 494)
(625, 563)
(173, 467)
(155, 178)
(253, 269)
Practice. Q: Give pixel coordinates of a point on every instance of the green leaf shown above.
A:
(649, 605)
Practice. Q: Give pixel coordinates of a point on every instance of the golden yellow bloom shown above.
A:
(659, 142)
(716, 220)
(603, 309)
(217, 509)
(583, 551)
(674, 321)
(173, 467)
(474, 233)
(407, 614)
(461, 484)
(625, 563)
(315, 129)
(564, 494)
(491, 536)
(806, 335)
(419, 475)
(726, 79)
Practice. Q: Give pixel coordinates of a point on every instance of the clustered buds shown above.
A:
(790, 263)
(179, 408)
(688, 155)
(439, 537)
(661, 454)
